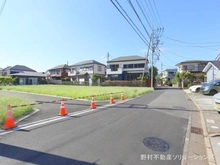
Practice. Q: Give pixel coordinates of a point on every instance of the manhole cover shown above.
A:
(156, 144)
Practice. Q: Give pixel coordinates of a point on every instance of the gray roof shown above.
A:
(29, 74)
(216, 63)
(60, 67)
(127, 58)
(8, 67)
(22, 68)
(193, 61)
(87, 62)
(170, 70)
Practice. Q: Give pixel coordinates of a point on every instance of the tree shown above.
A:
(184, 75)
(155, 71)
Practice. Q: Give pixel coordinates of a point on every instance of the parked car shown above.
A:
(195, 88)
(211, 88)
(216, 102)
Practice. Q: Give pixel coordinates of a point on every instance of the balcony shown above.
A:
(118, 71)
(56, 74)
(72, 73)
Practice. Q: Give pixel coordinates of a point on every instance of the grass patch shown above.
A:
(81, 91)
(17, 112)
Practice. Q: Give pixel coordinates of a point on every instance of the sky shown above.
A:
(42, 34)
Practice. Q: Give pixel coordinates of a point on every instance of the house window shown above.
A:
(190, 67)
(125, 66)
(114, 67)
(99, 68)
(139, 65)
(130, 66)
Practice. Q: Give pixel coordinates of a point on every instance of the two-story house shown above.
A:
(212, 69)
(194, 66)
(58, 72)
(168, 74)
(126, 67)
(84, 70)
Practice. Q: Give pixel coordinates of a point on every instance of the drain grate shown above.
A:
(197, 130)
(156, 144)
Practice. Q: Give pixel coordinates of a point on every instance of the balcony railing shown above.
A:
(72, 73)
(118, 71)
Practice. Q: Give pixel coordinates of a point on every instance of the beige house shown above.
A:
(194, 66)
(83, 71)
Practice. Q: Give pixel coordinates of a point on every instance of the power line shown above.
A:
(189, 42)
(157, 13)
(144, 14)
(203, 46)
(130, 23)
(151, 13)
(2, 7)
(178, 55)
(129, 1)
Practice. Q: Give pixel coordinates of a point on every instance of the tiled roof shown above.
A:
(29, 74)
(87, 62)
(192, 61)
(127, 58)
(60, 67)
(22, 68)
(216, 63)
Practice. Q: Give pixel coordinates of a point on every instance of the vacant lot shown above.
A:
(12, 100)
(81, 91)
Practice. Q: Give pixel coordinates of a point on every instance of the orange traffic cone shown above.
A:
(9, 120)
(122, 96)
(62, 109)
(93, 106)
(112, 99)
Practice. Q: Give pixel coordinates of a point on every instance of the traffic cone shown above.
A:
(122, 96)
(62, 109)
(93, 106)
(9, 120)
(112, 99)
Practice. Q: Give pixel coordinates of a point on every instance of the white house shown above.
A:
(168, 74)
(126, 67)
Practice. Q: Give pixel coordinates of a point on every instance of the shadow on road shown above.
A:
(36, 157)
(144, 106)
(167, 88)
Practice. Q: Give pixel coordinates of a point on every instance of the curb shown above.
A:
(186, 142)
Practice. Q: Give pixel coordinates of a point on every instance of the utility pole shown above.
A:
(161, 67)
(147, 54)
(107, 56)
(152, 59)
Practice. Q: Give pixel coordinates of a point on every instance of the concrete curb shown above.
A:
(26, 116)
(186, 142)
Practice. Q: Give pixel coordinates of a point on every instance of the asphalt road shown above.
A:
(110, 136)
(50, 109)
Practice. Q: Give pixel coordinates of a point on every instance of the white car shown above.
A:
(195, 88)
(216, 102)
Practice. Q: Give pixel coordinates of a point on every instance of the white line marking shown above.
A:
(45, 121)
(214, 127)
(210, 121)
